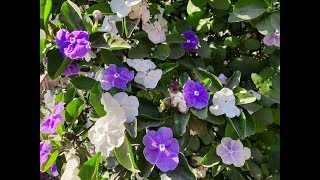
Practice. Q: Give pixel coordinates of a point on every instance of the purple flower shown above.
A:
(232, 152)
(195, 94)
(49, 126)
(272, 39)
(192, 40)
(161, 149)
(45, 149)
(116, 77)
(174, 85)
(72, 69)
(73, 45)
(54, 170)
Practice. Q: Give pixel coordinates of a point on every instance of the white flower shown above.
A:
(140, 10)
(90, 55)
(109, 24)
(129, 104)
(257, 95)
(122, 7)
(225, 62)
(71, 169)
(108, 131)
(49, 99)
(141, 64)
(224, 102)
(149, 79)
(223, 78)
(165, 177)
(177, 99)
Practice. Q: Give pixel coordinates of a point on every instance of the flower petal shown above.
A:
(236, 145)
(151, 155)
(222, 150)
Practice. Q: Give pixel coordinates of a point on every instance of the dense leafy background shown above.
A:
(230, 33)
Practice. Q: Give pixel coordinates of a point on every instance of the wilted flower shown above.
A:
(73, 45)
(161, 149)
(223, 79)
(49, 126)
(272, 39)
(224, 102)
(116, 77)
(122, 7)
(232, 152)
(195, 94)
(109, 24)
(72, 69)
(192, 40)
(140, 10)
(174, 85)
(177, 100)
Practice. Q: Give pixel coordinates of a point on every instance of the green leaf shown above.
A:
(108, 41)
(138, 53)
(200, 113)
(276, 115)
(211, 158)
(95, 99)
(263, 118)
(232, 173)
(217, 25)
(217, 169)
(45, 10)
(83, 83)
(194, 144)
(147, 122)
(42, 47)
(207, 82)
(218, 52)
(183, 78)
(219, 120)
(202, 74)
(69, 95)
(103, 7)
(230, 132)
(75, 107)
(56, 64)
(162, 52)
(167, 67)
(220, 4)
(130, 26)
(255, 171)
(125, 156)
(204, 50)
(195, 6)
(249, 9)
(175, 38)
(181, 122)
(244, 98)
(51, 160)
(132, 128)
(71, 16)
(148, 109)
(233, 18)
(252, 44)
(199, 126)
(269, 24)
(109, 58)
(253, 107)
(176, 51)
(246, 65)
(182, 171)
(250, 125)
(239, 125)
(234, 80)
(231, 41)
(89, 169)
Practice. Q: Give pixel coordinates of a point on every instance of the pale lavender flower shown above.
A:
(72, 69)
(272, 39)
(161, 149)
(45, 149)
(223, 78)
(49, 126)
(232, 152)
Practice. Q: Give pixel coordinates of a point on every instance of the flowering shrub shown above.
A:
(160, 89)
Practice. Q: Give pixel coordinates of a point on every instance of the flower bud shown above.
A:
(97, 14)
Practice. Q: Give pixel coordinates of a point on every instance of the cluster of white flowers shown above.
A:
(177, 100)
(123, 7)
(156, 31)
(224, 102)
(49, 99)
(108, 131)
(71, 169)
(140, 10)
(147, 75)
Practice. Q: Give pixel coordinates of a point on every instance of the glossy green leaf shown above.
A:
(182, 171)
(211, 158)
(71, 16)
(103, 7)
(51, 160)
(234, 80)
(202, 74)
(269, 24)
(132, 128)
(138, 53)
(244, 98)
(148, 109)
(263, 118)
(219, 120)
(109, 58)
(162, 52)
(83, 83)
(249, 9)
(89, 169)
(220, 4)
(56, 64)
(200, 113)
(167, 67)
(181, 122)
(95, 99)
(75, 107)
(108, 41)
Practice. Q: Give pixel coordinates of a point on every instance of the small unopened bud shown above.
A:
(174, 86)
(97, 14)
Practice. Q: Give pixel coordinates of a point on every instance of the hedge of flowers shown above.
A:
(160, 89)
